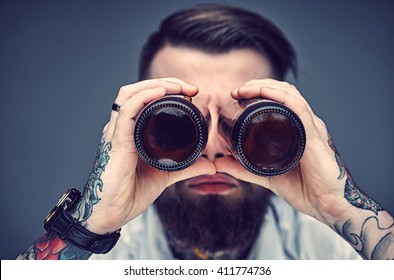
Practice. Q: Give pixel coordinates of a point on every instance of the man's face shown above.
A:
(209, 207)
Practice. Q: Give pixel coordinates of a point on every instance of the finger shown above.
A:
(172, 86)
(107, 136)
(187, 89)
(300, 107)
(124, 126)
(271, 82)
(282, 93)
(125, 93)
(111, 125)
(291, 100)
(252, 88)
(272, 93)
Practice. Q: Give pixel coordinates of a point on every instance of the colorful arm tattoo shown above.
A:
(51, 246)
(90, 195)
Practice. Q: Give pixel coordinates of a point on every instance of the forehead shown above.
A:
(197, 67)
(215, 75)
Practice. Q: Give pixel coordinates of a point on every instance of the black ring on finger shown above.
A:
(115, 107)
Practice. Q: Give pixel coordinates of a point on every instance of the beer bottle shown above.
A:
(170, 133)
(266, 137)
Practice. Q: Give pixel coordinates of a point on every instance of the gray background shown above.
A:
(62, 62)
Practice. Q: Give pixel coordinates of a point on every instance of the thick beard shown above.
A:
(213, 222)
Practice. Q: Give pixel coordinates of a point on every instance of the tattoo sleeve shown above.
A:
(372, 236)
(51, 246)
(90, 195)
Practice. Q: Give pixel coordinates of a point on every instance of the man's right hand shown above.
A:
(121, 186)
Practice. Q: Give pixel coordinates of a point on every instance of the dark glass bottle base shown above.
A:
(268, 139)
(170, 133)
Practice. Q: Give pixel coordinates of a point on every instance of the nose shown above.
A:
(216, 144)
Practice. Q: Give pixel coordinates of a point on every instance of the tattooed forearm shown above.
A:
(51, 247)
(90, 195)
(353, 194)
(371, 235)
(372, 241)
(341, 164)
(359, 199)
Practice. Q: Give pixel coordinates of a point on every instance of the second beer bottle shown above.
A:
(170, 133)
(266, 137)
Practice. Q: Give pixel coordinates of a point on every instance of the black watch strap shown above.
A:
(68, 228)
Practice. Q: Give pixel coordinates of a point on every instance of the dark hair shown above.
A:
(216, 28)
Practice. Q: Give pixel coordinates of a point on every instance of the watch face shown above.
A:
(65, 202)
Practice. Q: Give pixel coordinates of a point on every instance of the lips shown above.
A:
(213, 184)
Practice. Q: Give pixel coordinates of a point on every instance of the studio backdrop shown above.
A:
(62, 63)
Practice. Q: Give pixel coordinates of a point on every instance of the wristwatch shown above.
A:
(60, 221)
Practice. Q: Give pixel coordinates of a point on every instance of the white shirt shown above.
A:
(286, 234)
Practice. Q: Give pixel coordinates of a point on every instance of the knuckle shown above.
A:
(321, 126)
(105, 128)
(123, 90)
(270, 80)
(252, 82)
(172, 80)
